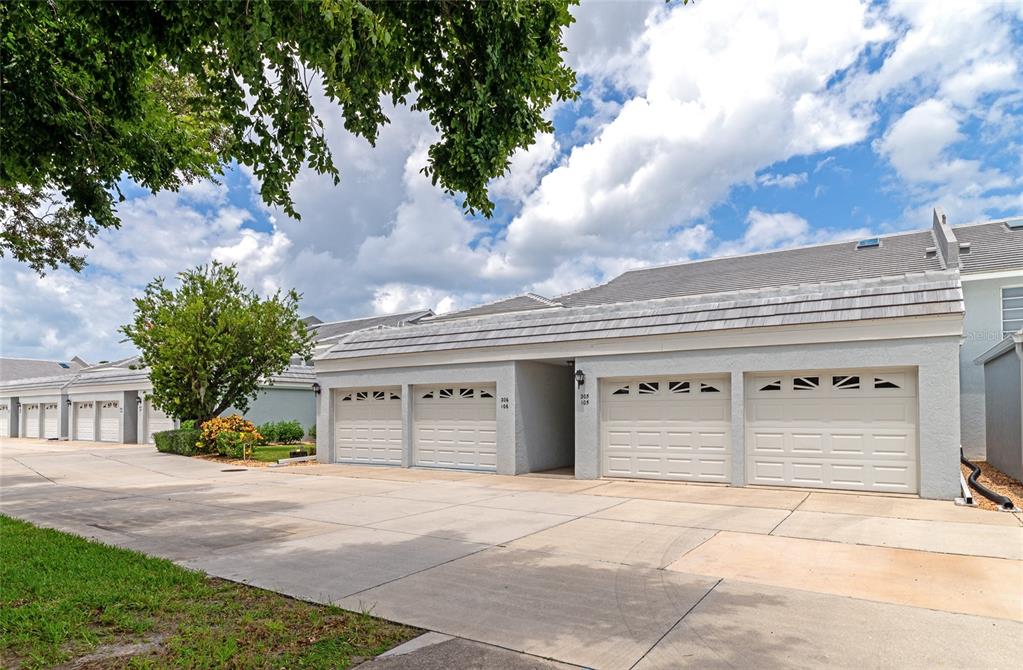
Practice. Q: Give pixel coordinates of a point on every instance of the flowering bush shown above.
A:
(245, 434)
(236, 445)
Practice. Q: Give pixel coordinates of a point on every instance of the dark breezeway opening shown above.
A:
(545, 426)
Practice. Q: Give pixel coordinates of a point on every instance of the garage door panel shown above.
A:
(109, 421)
(368, 426)
(851, 430)
(666, 428)
(5, 421)
(32, 416)
(85, 421)
(456, 426)
(155, 420)
(51, 421)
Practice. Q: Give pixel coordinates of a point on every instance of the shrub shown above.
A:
(188, 423)
(269, 432)
(289, 432)
(181, 441)
(284, 432)
(234, 444)
(312, 432)
(232, 424)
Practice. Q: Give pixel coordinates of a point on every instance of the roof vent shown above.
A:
(1014, 224)
(869, 243)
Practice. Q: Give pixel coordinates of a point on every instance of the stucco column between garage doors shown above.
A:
(936, 361)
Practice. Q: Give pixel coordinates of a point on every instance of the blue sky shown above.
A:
(718, 128)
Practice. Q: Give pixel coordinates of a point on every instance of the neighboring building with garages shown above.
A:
(109, 402)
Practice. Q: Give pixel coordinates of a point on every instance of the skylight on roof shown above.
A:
(65, 366)
(1014, 224)
(869, 243)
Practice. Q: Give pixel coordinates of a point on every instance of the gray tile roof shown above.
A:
(993, 247)
(295, 374)
(322, 331)
(123, 363)
(519, 303)
(897, 255)
(920, 294)
(20, 368)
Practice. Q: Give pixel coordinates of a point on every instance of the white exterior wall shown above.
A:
(501, 374)
(982, 329)
(935, 359)
(43, 400)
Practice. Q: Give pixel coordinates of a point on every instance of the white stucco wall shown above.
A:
(936, 361)
(982, 329)
(501, 374)
(544, 430)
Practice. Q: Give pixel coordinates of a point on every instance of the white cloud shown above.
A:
(790, 180)
(775, 230)
(525, 169)
(915, 142)
(739, 104)
(681, 104)
(398, 298)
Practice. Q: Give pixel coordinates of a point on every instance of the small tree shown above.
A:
(210, 343)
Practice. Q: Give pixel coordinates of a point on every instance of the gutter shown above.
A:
(1005, 504)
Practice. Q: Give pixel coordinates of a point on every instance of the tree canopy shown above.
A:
(162, 93)
(210, 343)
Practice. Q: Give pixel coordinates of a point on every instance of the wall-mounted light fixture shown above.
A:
(138, 402)
(316, 388)
(580, 378)
(69, 402)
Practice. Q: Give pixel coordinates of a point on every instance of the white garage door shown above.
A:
(834, 429)
(367, 426)
(5, 420)
(110, 421)
(85, 421)
(51, 421)
(456, 426)
(666, 428)
(30, 414)
(155, 421)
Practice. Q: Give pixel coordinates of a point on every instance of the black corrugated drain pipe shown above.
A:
(1000, 500)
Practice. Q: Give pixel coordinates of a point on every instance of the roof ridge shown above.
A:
(989, 222)
(774, 251)
(527, 294)
(368, 318)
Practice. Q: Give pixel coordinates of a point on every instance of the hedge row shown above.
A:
(181, 441)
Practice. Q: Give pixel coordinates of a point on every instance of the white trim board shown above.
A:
(981, 276)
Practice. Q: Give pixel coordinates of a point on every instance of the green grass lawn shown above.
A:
(63, 597)
(272, 452)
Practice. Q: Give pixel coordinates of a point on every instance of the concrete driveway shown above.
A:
(601, 574)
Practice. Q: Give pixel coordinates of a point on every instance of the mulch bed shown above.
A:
(997, 481)
(250, 463)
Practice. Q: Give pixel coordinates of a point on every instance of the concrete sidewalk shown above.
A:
(602, 574)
